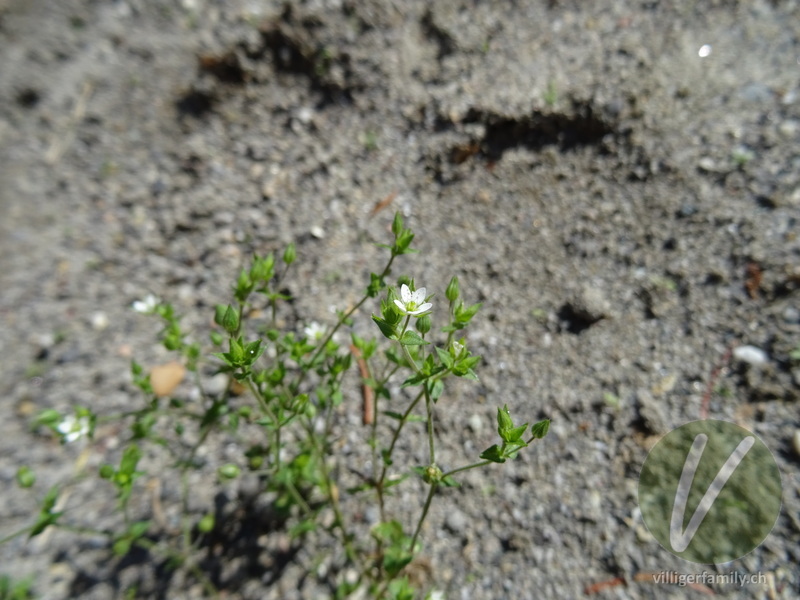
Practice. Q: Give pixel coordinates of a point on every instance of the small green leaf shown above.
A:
(25, 477)
(469, 374)
(50, 418)
(46, 515)
(386, 329)
(121, 546)
(301, 528)
(435, 389)
(504, 422)
(540, 429)
(130, 458)
(445, 357)
(494, 454)
(397, 224)
(393, 482)
(138, 529)
(450, 482)
(412, 338)
(414, 380)
(513, 435)
(376, 284)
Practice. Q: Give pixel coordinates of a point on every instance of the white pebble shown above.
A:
(751, 355)
(475, 423)
(318, 232)
(796, 442)
(99, 321)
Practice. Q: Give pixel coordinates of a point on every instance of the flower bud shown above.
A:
(290, 254)
(424, 324)
(206, 524)
(230, 320)
(453, 289)
(25, 477)
(228, 471)
(433, 474)
(397, 224)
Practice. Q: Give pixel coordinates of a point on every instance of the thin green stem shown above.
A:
(410, 360)
(81, 529)
(429, 408)
(427, 506)
(466, 468)
(301, 376)
(15, 534)
(396, 435)
(272, 417)
(331, 489)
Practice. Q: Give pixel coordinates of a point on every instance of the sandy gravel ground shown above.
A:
(624, 202)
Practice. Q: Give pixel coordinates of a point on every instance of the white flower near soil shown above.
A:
(314, 332)
(146, 306)
(73, 429)
(413, 303)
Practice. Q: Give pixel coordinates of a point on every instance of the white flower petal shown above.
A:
(401, 306)
(418, 297)
(424, 308)
(405, 294)
(73, 429)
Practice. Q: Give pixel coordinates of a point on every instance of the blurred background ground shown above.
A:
(623, 201)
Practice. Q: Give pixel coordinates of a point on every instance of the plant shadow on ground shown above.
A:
(248, 543)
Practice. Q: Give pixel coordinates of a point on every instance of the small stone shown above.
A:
(643, 535)
(475, 423)
(791, 315)
(651, 413)
(707, 164)
(318, 232)
(456, 522)
(305, 114)
(165, 378)
(217, 385)
(44, 341)
(666, 385)
(99, 321)
(796, 442)
(789, 128)
(751, 355)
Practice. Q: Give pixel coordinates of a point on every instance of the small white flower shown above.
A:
(457, 349)
(73, 429)
(146, 306)
(314, 332)
(412, 303)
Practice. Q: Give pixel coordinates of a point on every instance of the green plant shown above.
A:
(286, 389)
(551, 94)
(15, 590)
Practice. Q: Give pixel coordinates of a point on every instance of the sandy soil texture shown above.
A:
(618, 183)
